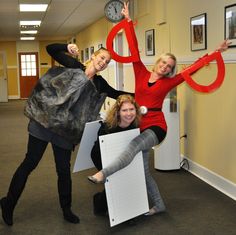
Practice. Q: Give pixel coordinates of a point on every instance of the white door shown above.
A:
(3, 78)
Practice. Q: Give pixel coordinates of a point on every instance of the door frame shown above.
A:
(4, 88)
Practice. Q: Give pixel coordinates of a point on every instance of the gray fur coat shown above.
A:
(63, 101)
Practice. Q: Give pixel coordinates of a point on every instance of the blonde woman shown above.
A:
(124, 115)
(64, 99)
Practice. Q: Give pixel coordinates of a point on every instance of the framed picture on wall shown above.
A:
(91, 50)
(86, 54)
(150, 42)
(82, 56)
(198, 32)
(230, 24)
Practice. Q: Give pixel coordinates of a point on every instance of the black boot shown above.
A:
(70, 216)
(100, 204)
(7, 212)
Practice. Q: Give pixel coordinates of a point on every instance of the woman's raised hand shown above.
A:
(73, 49)
(125, 11)
(223, 46)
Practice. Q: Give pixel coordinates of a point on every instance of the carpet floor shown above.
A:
(193, 207)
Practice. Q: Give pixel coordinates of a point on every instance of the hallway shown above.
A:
(193, 207)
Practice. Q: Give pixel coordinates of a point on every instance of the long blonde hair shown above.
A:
(162, 57)
(113, 116)
(87, 62)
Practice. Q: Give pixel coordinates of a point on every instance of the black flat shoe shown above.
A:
(7, 214)
(69, 216)
(95, 181)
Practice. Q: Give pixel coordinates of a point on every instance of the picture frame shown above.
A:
(150, 42)
(230, 24)
(86, 54)
(91, 51)
(82, 56)
(198, 32)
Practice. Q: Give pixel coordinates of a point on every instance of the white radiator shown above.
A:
(167, 154)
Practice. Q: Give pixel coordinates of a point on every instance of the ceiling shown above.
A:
(62, 20)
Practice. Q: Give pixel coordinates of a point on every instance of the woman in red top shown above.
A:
(150, 90)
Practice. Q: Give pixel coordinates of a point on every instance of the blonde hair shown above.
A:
(113, 116)
(101, 49)
(162, 57)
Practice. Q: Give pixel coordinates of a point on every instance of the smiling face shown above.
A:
(123, 113)
(165, 65)
(127, 114)
(101, 60)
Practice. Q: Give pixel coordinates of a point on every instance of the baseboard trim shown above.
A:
(220, 183)
(13, 97)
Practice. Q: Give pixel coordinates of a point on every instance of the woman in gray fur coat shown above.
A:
(64, 99)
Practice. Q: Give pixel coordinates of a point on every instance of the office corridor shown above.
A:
(193, 207)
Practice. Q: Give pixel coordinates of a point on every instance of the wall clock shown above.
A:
(113, 9)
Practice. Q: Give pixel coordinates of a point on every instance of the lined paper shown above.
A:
(126, 189)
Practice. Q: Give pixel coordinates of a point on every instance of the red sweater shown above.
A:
(153, 96)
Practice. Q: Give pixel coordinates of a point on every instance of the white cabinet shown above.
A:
(167, 154)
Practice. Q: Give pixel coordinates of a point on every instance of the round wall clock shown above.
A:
(113, 9)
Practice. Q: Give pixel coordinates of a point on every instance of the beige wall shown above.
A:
(12, 49)
(207, 119)
(11, 57)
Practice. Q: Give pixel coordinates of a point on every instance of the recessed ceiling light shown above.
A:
(30, 22)
(29, 31)
(27, 38)
(33, 7)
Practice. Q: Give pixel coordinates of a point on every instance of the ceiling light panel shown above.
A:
(27, 38)
(30, 22)
(28, 31)
(33, 7)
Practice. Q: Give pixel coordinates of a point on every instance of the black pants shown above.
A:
(35, 151)
(99, 199)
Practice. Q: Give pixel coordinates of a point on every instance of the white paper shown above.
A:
(83, 159)
(126, 189)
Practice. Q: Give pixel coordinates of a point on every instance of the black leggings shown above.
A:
(35, 151)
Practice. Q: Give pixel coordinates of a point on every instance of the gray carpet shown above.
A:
(193, 207)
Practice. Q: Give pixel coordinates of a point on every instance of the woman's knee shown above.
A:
(29, 163)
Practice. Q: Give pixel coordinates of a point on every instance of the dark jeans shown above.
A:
(35, 151)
